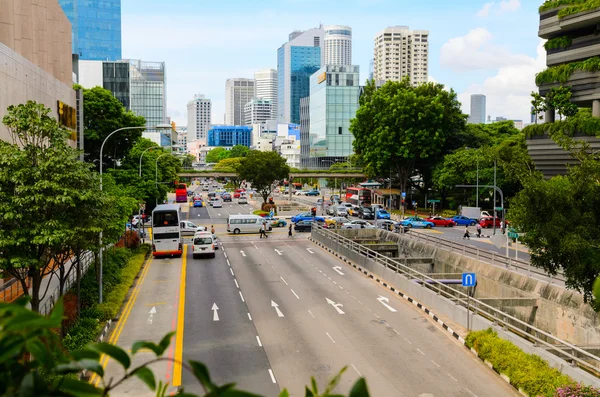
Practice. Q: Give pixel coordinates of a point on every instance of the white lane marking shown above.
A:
(384, 301)
(296, 295)
(249, 317)
(242, 296)
(335, 283)
(360, 302)
(397, 333)
(420, 351)
(309, 250)
(452, 377)
(231, 270)
(320, 271)
(225, 253)
(243, 253)
(272, 376)
(357, 371)
(336, 306)
(338, 269)
(283, 280)
(436, 364)
(276, 306)
(409, 342)
(278, 252)
(340, 287)
(219, 214)
(215, 309)
(471, 393)
(254, 245)
(313, 316)
(376, 315)
(151, 313)
(329, 278)
(258, 340)
(330, 337)
(228, 264)
(236, 283)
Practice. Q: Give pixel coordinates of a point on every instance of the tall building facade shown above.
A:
(257, 111)
(229, 135)
(199, 119)
(305, 131)
(297, 60)
(238, 92)
(477, 114)
(334, 94)
(265, 87)
(337, 45)
(401, 52)
(96, 28)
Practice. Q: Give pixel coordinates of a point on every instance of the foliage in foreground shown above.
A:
(32, 362)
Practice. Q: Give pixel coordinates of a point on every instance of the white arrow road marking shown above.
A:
(384, 301)
(151, 313)
(308, 249)
(243, 253)
(336, 306)
(215, 313)
(279, 252)
(276, 306)
(338, 269)
(219, 214)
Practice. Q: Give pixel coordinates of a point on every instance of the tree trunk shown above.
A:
(36, 284)
(78, 284)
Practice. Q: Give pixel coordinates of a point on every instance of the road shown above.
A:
(269, 314)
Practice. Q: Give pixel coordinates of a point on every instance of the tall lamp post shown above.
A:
(142, 156)
(156, 169)
(160, 126)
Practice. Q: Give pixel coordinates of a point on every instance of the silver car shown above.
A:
(217, 204)
(242, 200)
(340, 210)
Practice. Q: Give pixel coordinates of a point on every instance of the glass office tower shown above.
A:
(96, 28)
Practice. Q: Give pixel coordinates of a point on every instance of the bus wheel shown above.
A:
(236, 231)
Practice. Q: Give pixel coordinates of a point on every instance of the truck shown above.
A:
(471, 212)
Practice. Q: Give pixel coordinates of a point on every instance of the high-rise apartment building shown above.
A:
(297, 60)
(238, 92)
(337, 45)
(401, 52)
(229, 135)
(265, 87)
(257, 111)
(96, 28)
(199, 119)
(477, 114)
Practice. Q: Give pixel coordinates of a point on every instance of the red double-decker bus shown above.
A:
(181, 193)
(358, 196)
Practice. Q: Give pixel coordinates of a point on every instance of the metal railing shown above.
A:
(87, 258)
(553, 344)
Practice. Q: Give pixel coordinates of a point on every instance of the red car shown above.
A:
(238, 193)
(488, 221)
(439, 221)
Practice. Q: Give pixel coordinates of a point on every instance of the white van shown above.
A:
(203, 244)
(237, 224)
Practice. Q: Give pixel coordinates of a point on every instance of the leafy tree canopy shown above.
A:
(239, 151)
(228, 165)
(262, 169)
(217, 154)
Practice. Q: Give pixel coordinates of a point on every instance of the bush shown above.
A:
(260, 212)
(577, 391)
(85, 330)
(526, 371)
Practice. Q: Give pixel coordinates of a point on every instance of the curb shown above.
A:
(420, 306)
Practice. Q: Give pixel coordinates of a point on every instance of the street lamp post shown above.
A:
(142, 156)
(156, 169)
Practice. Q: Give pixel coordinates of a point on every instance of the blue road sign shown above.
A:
(469, 280)
(403, 194)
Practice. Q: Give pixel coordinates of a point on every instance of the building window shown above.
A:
(340, 130)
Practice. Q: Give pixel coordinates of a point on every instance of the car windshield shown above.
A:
(203, 240)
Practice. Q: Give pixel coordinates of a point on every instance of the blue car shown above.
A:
(462, 220)
(197, 203)
(382, 214)
(306, 216)
(415, 221)
(313, 193)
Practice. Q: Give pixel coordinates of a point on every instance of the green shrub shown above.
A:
(558, 42)
(562, 73)
(84, 331)
(260, 212)
(526, 371)
(582, 123)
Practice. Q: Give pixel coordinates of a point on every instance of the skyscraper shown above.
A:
(257, 111)
(96, 28)
(477, 114)
(265, 83)
(401, 52)
(337, 45)
(296, 60)
(198, 115)
(238, 92)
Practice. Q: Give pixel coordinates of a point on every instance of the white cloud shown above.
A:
(503, 7)
(431, 79)
(474, 51)
(485, 11)
(510, 5)
(508, 92)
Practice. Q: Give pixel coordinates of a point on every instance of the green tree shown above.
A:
(43, 186)
(239, 151)
(262, 169)
(103, 113)
(217, 154)
(401, 128)
(230, 165)
(187, 161)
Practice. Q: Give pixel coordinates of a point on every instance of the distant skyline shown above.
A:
(494, 50)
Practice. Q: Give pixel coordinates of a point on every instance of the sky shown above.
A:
(475, 46)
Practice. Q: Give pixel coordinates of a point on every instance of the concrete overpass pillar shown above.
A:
(596, 108)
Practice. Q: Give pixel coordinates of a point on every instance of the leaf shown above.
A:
(165, 342)
(114, 352)
(137, 346)
(147, 376)
(85, 353)
(77, 366)
(201, 373)
(315, 388)
(79, 388)
(359, 389)
(308, 393)
(284, 393)
(335, 381)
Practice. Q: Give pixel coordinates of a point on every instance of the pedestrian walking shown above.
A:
(264, 229)
(478, 230)
(502, 226)
(467, 235)
(290, 230)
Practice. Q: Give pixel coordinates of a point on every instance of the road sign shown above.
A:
(469, 279)
(498, 209)
(403, 194)
(433, 201)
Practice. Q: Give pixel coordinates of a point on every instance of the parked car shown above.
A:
(382, 214)
(242, 200)
(441, 221)
(217, 204)
(276, 222)
(226, 197)
(366, 213)
(415, 221)
(306, 216)
(198, 203)
(300, 192)
(313, 193)
(331, 223)
(386, 224)
(462, 220)
(303, 226)
(358, 224)
(488, 221)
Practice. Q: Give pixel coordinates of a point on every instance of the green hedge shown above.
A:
(571, 6)
(526, 371)
(582, 123)
(558, 42)
(562, 73)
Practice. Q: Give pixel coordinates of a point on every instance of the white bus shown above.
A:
(237, 224)
(166, 231)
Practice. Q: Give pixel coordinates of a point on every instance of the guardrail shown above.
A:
(558, 346)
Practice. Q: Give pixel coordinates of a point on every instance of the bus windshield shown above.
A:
(165, 218)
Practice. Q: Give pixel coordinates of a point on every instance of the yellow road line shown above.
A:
(122, 321)
(177, 368)
(155, 304)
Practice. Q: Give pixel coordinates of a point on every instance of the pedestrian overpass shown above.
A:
(292, 175)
